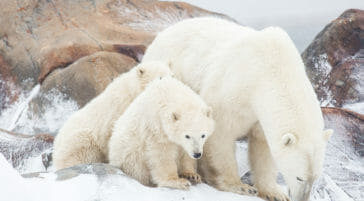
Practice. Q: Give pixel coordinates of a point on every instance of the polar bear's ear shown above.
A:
(328, 133)
(208, 112)
(175, 116)
(140, 71)
(169, 63)
(288, 139)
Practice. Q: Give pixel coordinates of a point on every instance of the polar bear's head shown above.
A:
(300, 160)
(190, 129)
(186, 119)
(148, 71)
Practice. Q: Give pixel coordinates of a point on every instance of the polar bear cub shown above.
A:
(85, 135)
(161, 134)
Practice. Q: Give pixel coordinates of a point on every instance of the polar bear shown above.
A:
(256, 84)
(84, 137)
(161, 134)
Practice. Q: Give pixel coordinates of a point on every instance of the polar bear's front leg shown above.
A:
(163, 169)
(263, 168)
(219, 168)
(187, 169)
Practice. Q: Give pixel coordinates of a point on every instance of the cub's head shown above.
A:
(300, 160)
(148, 71)
(189, 128)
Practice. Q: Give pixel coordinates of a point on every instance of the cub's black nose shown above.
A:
(197, 155)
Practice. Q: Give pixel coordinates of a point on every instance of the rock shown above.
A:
(8, 91)
(39, 37)
(347, 123)
(83, 79)
(98, 169)
(335, 60)
(343, 166)
(18, 147)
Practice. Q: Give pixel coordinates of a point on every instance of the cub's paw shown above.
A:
(274, 196)
(243, 189)
(181, 183)
(192, 177)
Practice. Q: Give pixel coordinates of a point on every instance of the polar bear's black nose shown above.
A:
(197, 155)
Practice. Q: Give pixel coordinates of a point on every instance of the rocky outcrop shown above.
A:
(97, 169)
(18, 147)
(335, 60)
(40, 40)
(347, 123)
(83, 79)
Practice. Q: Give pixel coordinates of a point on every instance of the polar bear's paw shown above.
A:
(192, 177)
(180, 183)
(274, 196)
(243, 189)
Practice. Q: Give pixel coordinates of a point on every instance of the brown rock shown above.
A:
(85, 78)
(335, 60)
(8, 92)
(41, 39)
(40, 36)
(347, 123)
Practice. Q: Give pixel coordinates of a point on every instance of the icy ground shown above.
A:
(342, 180)
(89, 188)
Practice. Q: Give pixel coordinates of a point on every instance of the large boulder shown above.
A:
(335, 60)
(83, 79)
(38, 38)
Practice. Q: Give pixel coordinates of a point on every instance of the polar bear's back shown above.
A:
(208, 46)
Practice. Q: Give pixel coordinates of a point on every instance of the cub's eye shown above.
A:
(203, 136)
(299, 179)
(187, 136)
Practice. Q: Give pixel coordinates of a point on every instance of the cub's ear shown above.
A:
(328, 133)
(175, 116)
(169, 63)
(140, 71)
(288, 139)
(209, 112)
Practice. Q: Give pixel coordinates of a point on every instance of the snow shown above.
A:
(88, 188)
(23, 120)
(356, 107)
(16, 188)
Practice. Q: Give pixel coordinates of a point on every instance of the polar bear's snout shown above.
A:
(197, 155)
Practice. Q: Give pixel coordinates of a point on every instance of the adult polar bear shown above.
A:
(257, 86)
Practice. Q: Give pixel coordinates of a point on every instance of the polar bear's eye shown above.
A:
(203, 136)
(187, 136)
(299, 179)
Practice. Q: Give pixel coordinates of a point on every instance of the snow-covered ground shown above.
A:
(89, 187)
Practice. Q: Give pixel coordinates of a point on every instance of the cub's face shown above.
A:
(148, 71)
(190, 130)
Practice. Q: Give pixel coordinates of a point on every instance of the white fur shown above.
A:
(149, 140)
(84, 137)
(256, 84)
